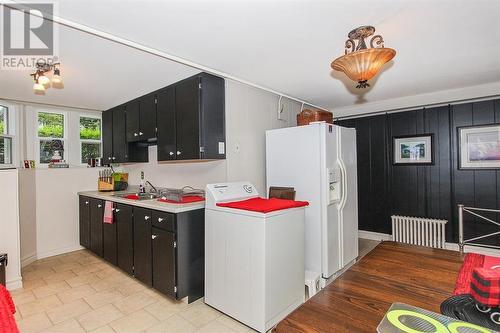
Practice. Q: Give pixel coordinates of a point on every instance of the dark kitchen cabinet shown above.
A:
(167, 144)
(125, 237)
(196, 107)
(142, 245)
(164, 246)
(109, 245)
(163, 250)
(133, 121)
(120, 148)
(107, 136)
(147, 109)
(96, 215)
(84, 203)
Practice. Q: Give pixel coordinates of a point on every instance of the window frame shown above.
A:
(64, 138)
(82, 141)
(8, 134)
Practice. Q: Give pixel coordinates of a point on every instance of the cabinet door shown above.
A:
(187, 113)
(96, 215)
(85, 222)
(125, 237)
(213, 136)
(147, 121)
(107, 136)
(164, 261)
(142, 245)
(166, 124)
(133, 121)
(120, 151)
(109, 241)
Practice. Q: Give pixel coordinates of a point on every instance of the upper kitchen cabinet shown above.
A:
(107, 136)
(141, 119)
(120, 148)
(167, 144)
(133, 121)
(191, 119)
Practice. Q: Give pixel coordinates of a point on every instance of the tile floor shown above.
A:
(79, 292)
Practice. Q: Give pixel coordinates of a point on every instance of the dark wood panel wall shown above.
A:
(430, 191)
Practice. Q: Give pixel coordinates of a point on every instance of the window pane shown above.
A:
(47, 149)
(50, 125)
(5, 150)
(90, 128)
(90, 150)
(3, 120)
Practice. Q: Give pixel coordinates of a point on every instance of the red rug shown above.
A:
(7, 310)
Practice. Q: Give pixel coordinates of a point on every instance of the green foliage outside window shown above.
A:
(50, 125)
(3, 114)
(90, 128)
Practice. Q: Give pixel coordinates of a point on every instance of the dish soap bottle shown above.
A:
(142, 189)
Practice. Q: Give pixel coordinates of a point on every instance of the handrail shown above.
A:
(470, 210)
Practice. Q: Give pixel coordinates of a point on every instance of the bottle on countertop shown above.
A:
(142, 188)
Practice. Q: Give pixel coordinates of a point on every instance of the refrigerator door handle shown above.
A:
(343, 181)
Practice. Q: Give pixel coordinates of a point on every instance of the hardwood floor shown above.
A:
(392, 272)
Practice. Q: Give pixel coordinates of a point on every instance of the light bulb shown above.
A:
(57, 81)
(38, 88)
(45, 81)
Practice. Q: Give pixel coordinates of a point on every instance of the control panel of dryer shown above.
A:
(227, 192)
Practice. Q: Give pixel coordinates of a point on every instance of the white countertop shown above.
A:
(150, 204)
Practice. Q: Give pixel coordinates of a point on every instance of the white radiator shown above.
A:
(418, 231)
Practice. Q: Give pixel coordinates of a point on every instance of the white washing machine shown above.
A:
(254, 261)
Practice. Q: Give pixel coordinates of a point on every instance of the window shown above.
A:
(51, 135)
(5, 138)
(90, 138)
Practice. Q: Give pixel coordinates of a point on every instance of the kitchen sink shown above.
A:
(137, 196)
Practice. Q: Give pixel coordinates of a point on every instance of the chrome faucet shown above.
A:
(153, 189)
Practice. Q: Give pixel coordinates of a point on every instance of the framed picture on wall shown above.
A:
(479, 147)
(413, 149)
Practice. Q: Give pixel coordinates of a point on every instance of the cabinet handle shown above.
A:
(99, 206)
(135, 134)
(146, 217)
(160, 219)
(178, 152)
(114, 158)
(86, 202)
(153, 236)
(140, 133)
(112, 209)
(117, 210)
(109, 158)
(171, 153)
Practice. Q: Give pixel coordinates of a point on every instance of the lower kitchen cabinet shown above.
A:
(164, 261)
(163, 250)
(109, 242)
(96, 215)
(142, 246)
(125, 237)
(84, 221)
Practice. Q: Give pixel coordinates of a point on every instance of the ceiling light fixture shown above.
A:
(43, 81)
(360, 63)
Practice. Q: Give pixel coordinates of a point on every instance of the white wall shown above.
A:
(249, 113)
(27, 215)
(57, 208)
(9, 226)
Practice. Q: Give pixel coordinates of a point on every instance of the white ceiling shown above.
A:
(283, 45)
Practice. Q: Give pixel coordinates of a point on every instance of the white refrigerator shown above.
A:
(319, 161)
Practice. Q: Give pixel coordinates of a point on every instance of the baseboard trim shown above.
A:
(373, 235)
(14, 284)
(58, 251)
(28, 260)
(475, 249)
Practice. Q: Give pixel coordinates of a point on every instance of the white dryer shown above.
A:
(254, 261)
